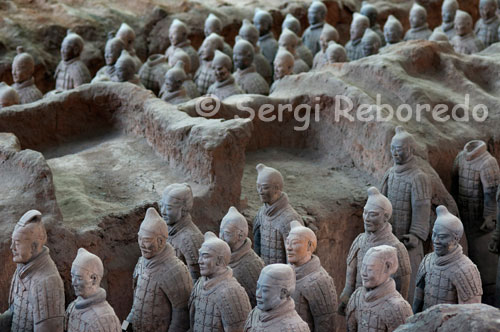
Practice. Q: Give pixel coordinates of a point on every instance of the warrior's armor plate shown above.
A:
(162, 286)
(71, 74)
(36, 293)
(449, 279)
(271, 228)
(250, 81)
(380, 310)
(218, 305)
(315, 296)
(281, 319)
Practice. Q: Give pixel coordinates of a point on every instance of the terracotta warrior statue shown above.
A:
(245, 263)
(336, 53)
(393, 31)
(71, 71)
(448, 12)
(315, 296)
(225, 84)
(283, 66)
(90, 311)
(292, 23)
(152, 72)
(178, 35)
(370, 43)
(246, 76)
(36, 298)
(112, 51)
(408, 188)
(263, 21)
(175, 206)
(358, 26)
(476, 177)
(127, 35)
(205, 76)
(173, 90)
(446, 276)
(371, 12)
(125, 70)
(249, 32)
(289, 41)
(8, 96)
(213, 24)
(316, 16)
(275, 311)
(377, 305)
(378, 231)
(465, 41)
(272, 222)
(218, 302)
(162, 283)
(180, 55)
(486, 28)
(23, 68)
(419, 29)
(328, 34)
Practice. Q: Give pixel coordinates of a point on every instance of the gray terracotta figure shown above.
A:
(358, 26)
(438, 36)
(112, 51)
(178, 35)
(246, 75)
(173, 90)
(486, 28)
(152, 72)
(494, 247)
(419, 29)
(23, 67)
(162, 283)
(289, 40)
(370, 43)
(225, 84)
(446, 276)
(371, 12)
(409, 189)
(292, 23)
(213, 24)
(127, 35)
(245, 263)
(316, 16)
(315, 296)
(275, 311)
(393, 31)
(8, 95)
(476, 177)
(377, 305)
(448, 12)
(189, 85)
(90, 312)
(36, 298)
(218, 302)
(125, 70)
(465, 41)
(175, 206)
(263, 21)
(328, 34)
(249, 32)
(336, 53)
(71, 72)
(272, 222)
(378, 231)
(283, 66)
(205, 76)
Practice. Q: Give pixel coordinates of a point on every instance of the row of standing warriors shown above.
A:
(258, 61)
(185, 280)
